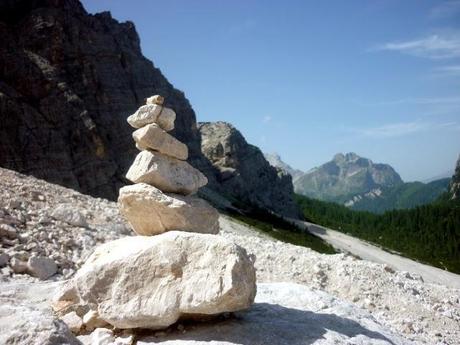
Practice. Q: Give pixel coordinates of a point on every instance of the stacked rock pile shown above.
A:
(161, 168)
(178, 267)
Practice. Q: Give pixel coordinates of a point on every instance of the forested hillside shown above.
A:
(403, 196)
(429, 233)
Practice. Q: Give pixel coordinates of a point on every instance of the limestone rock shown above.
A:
(67, 213)
(104, 336)
(18, 266)
(8, 231)
(74, 117)
(243, 172)
(26, 319)
(41, 267)
(162, 278)
(154, 138)
(91, 320)
(157, 99)
(454, 187)
(150, 212)
(166, 173)
(153, 113)
(73, 321)
(4, 259)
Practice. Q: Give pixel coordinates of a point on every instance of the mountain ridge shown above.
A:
(275, 160)
(346, 174)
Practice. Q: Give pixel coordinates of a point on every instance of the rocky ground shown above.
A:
(48, 230)
(39, 219)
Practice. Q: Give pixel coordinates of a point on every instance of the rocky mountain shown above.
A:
(344, 177)
(68, 81)
(454, 188)
(243, 169)
(275, 160)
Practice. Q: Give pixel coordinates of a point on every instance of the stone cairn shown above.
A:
(178, 267)
(161, 168)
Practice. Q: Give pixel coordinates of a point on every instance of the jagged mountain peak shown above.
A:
(276, 161)
(344, 176)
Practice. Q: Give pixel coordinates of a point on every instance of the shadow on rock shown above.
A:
(273, 324)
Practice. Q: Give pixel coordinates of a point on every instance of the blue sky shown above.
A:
(308, 79)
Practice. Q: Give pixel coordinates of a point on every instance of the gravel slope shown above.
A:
(403, 302)
(424, 312)
(367, 251)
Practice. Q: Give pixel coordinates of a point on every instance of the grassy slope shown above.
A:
(282, 230)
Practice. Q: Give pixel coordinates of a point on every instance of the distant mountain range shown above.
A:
(361, 184)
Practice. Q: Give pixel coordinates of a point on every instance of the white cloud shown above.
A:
(433, 47)
(404, 128)
(453, 70)
(413, 100)
(266, 119)
(445, 9)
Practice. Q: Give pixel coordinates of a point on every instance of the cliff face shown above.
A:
(454, 187)
(68, 80)
(243, 172)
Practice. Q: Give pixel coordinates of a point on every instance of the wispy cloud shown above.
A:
(444, 46)
(404, 128)
(453, 70)
(445, 9)
(266, 119)
(413, 100)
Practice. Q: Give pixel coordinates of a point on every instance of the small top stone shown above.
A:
(157, 99)
(153, 113)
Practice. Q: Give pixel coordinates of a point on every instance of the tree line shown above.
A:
(428, 233)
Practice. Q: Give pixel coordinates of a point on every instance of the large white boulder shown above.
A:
(154, 138)
(152, 281)
(153, 113)
(151, 212)
(166, 173)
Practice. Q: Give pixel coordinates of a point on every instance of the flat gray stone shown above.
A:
(288, 314)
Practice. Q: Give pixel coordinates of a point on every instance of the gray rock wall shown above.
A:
(243, 171)
(68, 81)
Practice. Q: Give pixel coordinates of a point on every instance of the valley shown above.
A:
(367, 251)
